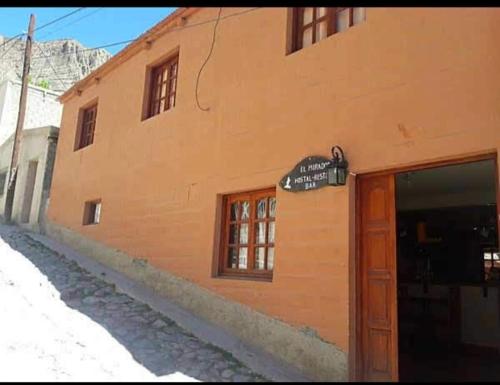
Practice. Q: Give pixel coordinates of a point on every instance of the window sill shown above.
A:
(156, 115)
(240, 277)
(81, 148)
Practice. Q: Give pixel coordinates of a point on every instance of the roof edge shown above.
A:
(130, 50)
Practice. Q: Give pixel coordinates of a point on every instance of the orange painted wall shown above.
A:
(406, 86)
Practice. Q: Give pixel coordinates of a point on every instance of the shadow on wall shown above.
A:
(154, 340)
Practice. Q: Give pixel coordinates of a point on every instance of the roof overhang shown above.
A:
(175, 19)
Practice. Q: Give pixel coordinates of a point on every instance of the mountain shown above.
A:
(55, 64)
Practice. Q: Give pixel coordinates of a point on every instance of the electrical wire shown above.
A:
(8, 49)
(155, 35)
(51, 66)
(161, 33)
(59, 18)
(205, 62)
(37, 29)
(71, 23)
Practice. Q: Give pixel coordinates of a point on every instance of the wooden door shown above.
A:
(377, 279)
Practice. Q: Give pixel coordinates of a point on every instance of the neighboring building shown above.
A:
(42, 109)
(188, 200)
(36, 164)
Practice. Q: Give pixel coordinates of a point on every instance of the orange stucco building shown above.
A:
(398, 88)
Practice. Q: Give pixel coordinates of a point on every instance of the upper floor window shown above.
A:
(247, 247)
(312, 24)
(163, 86)
(85, 131)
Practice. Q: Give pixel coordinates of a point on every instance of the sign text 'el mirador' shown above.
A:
(309, 174)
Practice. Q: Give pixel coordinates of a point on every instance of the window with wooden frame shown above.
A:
(85, 133)
(248, 228)
(92, 212)
(163, 87)
(312, 24)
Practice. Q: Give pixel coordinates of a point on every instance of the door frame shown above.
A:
(355, 351)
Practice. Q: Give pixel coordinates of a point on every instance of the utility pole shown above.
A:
(9, 199)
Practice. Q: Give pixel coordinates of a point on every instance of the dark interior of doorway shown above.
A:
(448, 273)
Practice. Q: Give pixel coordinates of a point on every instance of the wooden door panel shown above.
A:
(377, 259)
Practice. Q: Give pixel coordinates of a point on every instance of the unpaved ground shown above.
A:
(58, 322)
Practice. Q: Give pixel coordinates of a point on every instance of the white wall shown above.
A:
(34, 147)
(42, 108)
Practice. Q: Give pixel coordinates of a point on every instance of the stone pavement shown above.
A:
(153, 339)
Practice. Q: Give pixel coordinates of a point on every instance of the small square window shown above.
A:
(92, 212)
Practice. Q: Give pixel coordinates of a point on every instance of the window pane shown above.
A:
(270, 237)
(158, 78)
(97, 213)
(270, 258)
(243, 258)
(233, 233)
(232, 257)
(358, 15)
(260, 255)
(162, 104)
(173, 83)
(164, 89)
(234, 211)
(174, 69)
(244, 233)
(261, 208)
(165, 73)
(308, 15)
(343, 20)
(320, 12)
(260, 232)
(321, 30)
(156, 108)
(171, 101)
(272, 207)
(245, 210)
(307, 37)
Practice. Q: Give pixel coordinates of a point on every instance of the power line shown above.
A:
(206, 61)
(155, 35)
(39, 28)
(50, 64)
(72, 22)
(59, 18)
(8, 49)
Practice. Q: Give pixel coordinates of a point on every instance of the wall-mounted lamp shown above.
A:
(337, 171)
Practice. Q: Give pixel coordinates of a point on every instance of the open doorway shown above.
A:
(448, 273)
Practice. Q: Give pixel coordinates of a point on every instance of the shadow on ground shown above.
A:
(154, 340)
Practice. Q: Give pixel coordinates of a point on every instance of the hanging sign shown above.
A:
(309, 174)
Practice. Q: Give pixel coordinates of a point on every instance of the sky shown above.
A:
(91, 26)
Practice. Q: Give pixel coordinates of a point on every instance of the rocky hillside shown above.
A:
(55, 64)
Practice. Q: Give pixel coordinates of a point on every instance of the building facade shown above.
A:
(43, 109)
(35, 167)
(168, 169)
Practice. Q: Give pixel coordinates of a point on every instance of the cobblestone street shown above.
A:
(155, 341)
